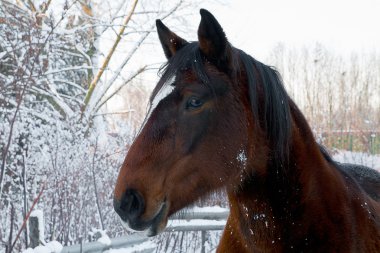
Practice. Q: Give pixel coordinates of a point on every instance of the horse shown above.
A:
(220, 119)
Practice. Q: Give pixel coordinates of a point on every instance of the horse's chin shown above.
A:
(151, 227)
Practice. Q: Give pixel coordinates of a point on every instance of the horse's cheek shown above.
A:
(190, 132)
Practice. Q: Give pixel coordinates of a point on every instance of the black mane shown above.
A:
(271, 111)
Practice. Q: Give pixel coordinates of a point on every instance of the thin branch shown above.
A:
(28, 215)
(75, 85)
(46, 7)
(138, 72)
(31, 4)
(95, 187)
(108, 58)
(114, 113)
(120, 68)
(6, 149)
(55, 71)
(83, 53)
(126, 60)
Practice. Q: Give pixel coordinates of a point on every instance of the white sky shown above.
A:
(342, 25)
(256, 26)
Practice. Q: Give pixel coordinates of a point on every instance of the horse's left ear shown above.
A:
(212, 39)
(170, 41)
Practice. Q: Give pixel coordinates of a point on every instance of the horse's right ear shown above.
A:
(212, 39)
(170, 41)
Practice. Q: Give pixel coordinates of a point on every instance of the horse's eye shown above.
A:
(194, 103)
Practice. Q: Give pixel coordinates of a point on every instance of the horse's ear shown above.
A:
(212, 39)
(170, 41)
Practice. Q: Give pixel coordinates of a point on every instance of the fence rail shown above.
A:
(198, 220)
(116, 243)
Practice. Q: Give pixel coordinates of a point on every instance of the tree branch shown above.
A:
(138, 72)
(28, 215)
(108, 58)
(99, 103)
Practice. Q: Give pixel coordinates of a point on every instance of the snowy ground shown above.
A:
(213, 237)
(372, 161)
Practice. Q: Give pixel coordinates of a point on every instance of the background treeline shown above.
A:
(339, 95)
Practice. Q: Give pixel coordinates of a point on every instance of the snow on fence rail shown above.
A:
(116, 243)
(198, 219)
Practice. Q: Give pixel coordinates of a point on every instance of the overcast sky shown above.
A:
(256, 26)
(342, 25)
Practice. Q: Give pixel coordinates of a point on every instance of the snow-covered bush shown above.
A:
(54, 136)
(45, 142)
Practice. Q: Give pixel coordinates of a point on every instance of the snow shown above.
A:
(213, 209)
(242, 158)
(134, 249)
(259, 216)
(41, 249)
(369, 160)
(28, 250)
(104, 239)
(50, 247)
(195, 222)
(100, 236)
(54, 246)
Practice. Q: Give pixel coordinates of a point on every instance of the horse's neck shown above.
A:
(306, 205)
(269, 203)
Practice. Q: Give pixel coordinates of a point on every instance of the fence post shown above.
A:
(81, 244)
(36, 231)
(203, 235)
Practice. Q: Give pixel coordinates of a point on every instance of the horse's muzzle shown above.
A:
(130, 209)
(130, 206)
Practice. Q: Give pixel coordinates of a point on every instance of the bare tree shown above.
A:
(338, 94)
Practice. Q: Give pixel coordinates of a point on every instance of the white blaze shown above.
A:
(165, 91)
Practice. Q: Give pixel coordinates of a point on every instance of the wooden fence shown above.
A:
(200, 220)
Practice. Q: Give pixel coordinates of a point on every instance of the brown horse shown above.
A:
(219, 118)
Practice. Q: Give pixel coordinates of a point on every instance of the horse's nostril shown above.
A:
(131, 205)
